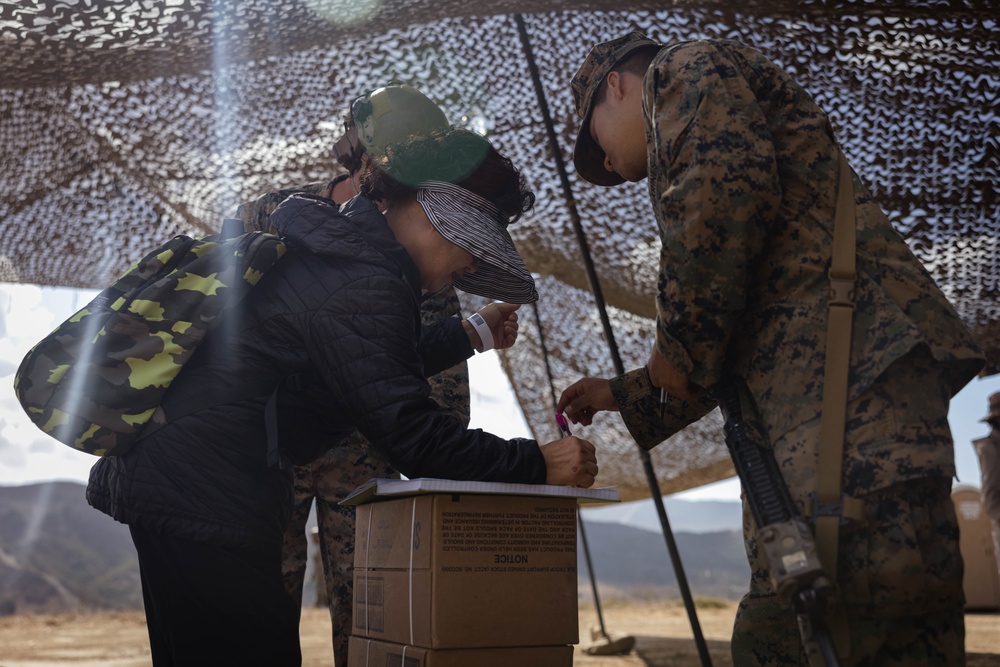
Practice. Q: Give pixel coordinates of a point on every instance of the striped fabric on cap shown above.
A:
(478, 227)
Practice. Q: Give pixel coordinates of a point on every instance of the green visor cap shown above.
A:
(391, 114)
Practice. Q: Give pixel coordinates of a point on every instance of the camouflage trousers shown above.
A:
(328, 479)
(995, 528)
(899, 572)
(906, 560)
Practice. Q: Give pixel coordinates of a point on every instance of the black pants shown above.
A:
(212, 606)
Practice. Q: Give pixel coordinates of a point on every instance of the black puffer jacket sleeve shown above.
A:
(361, 340)
(444, 345)
(369, 361)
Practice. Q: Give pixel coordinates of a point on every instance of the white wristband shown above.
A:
(479, 324)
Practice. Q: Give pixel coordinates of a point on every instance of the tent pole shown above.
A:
(590, 572)
(579, 515)
(595, 287)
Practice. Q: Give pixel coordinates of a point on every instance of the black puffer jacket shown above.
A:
(342, 309)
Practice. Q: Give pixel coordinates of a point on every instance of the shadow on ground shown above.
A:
(672, 652)
(663, 651)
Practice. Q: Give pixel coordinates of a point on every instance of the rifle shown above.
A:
(783, 534)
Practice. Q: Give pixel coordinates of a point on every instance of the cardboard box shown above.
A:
(371, 653)
(467, 571)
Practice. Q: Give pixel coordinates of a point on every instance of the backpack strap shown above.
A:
(183, 406)
(231, 228)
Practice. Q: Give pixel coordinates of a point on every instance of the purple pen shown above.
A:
(563, 424)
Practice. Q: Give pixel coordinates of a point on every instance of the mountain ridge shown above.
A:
(58, 555)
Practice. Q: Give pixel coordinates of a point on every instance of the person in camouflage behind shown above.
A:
(988, 451)
(339, 470)
(742, 169)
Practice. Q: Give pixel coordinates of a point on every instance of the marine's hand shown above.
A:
(570, 461)
(501, 318)
(663, 374)
(585, 398)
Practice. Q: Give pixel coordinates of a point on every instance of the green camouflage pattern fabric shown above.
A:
(901, 579)
(743, 175)
(334, 474)
(346, 465)
(743, 179)
(903, 561)
(96, 382)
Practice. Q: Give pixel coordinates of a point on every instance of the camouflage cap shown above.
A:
(587, 155)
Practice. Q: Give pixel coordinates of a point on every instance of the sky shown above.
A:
(29, 312)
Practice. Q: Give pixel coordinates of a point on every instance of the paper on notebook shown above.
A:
(377, 488)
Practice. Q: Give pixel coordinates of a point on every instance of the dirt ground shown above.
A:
(662, 632)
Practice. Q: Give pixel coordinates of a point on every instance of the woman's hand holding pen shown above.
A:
(570, 461)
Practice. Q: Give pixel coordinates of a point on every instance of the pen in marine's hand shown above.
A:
(663, 401)
(563, 424)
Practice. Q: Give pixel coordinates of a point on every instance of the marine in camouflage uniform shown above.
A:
(344, 467)
(988, 451)
(742, 170)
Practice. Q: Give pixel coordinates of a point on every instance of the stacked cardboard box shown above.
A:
(449, 579)
(369, 652)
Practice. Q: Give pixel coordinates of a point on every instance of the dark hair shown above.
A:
(636, 62)
(453, 155)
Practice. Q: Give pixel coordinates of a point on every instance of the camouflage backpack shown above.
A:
(96, 382)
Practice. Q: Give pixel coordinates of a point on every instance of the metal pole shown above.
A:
(595, 287)
(579, 513)
(590, 571)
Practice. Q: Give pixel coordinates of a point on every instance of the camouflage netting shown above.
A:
(124, 123)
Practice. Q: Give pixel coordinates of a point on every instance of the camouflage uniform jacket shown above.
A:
(988, 450)
(743, 176)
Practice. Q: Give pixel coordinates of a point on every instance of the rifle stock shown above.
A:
(783, 535)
